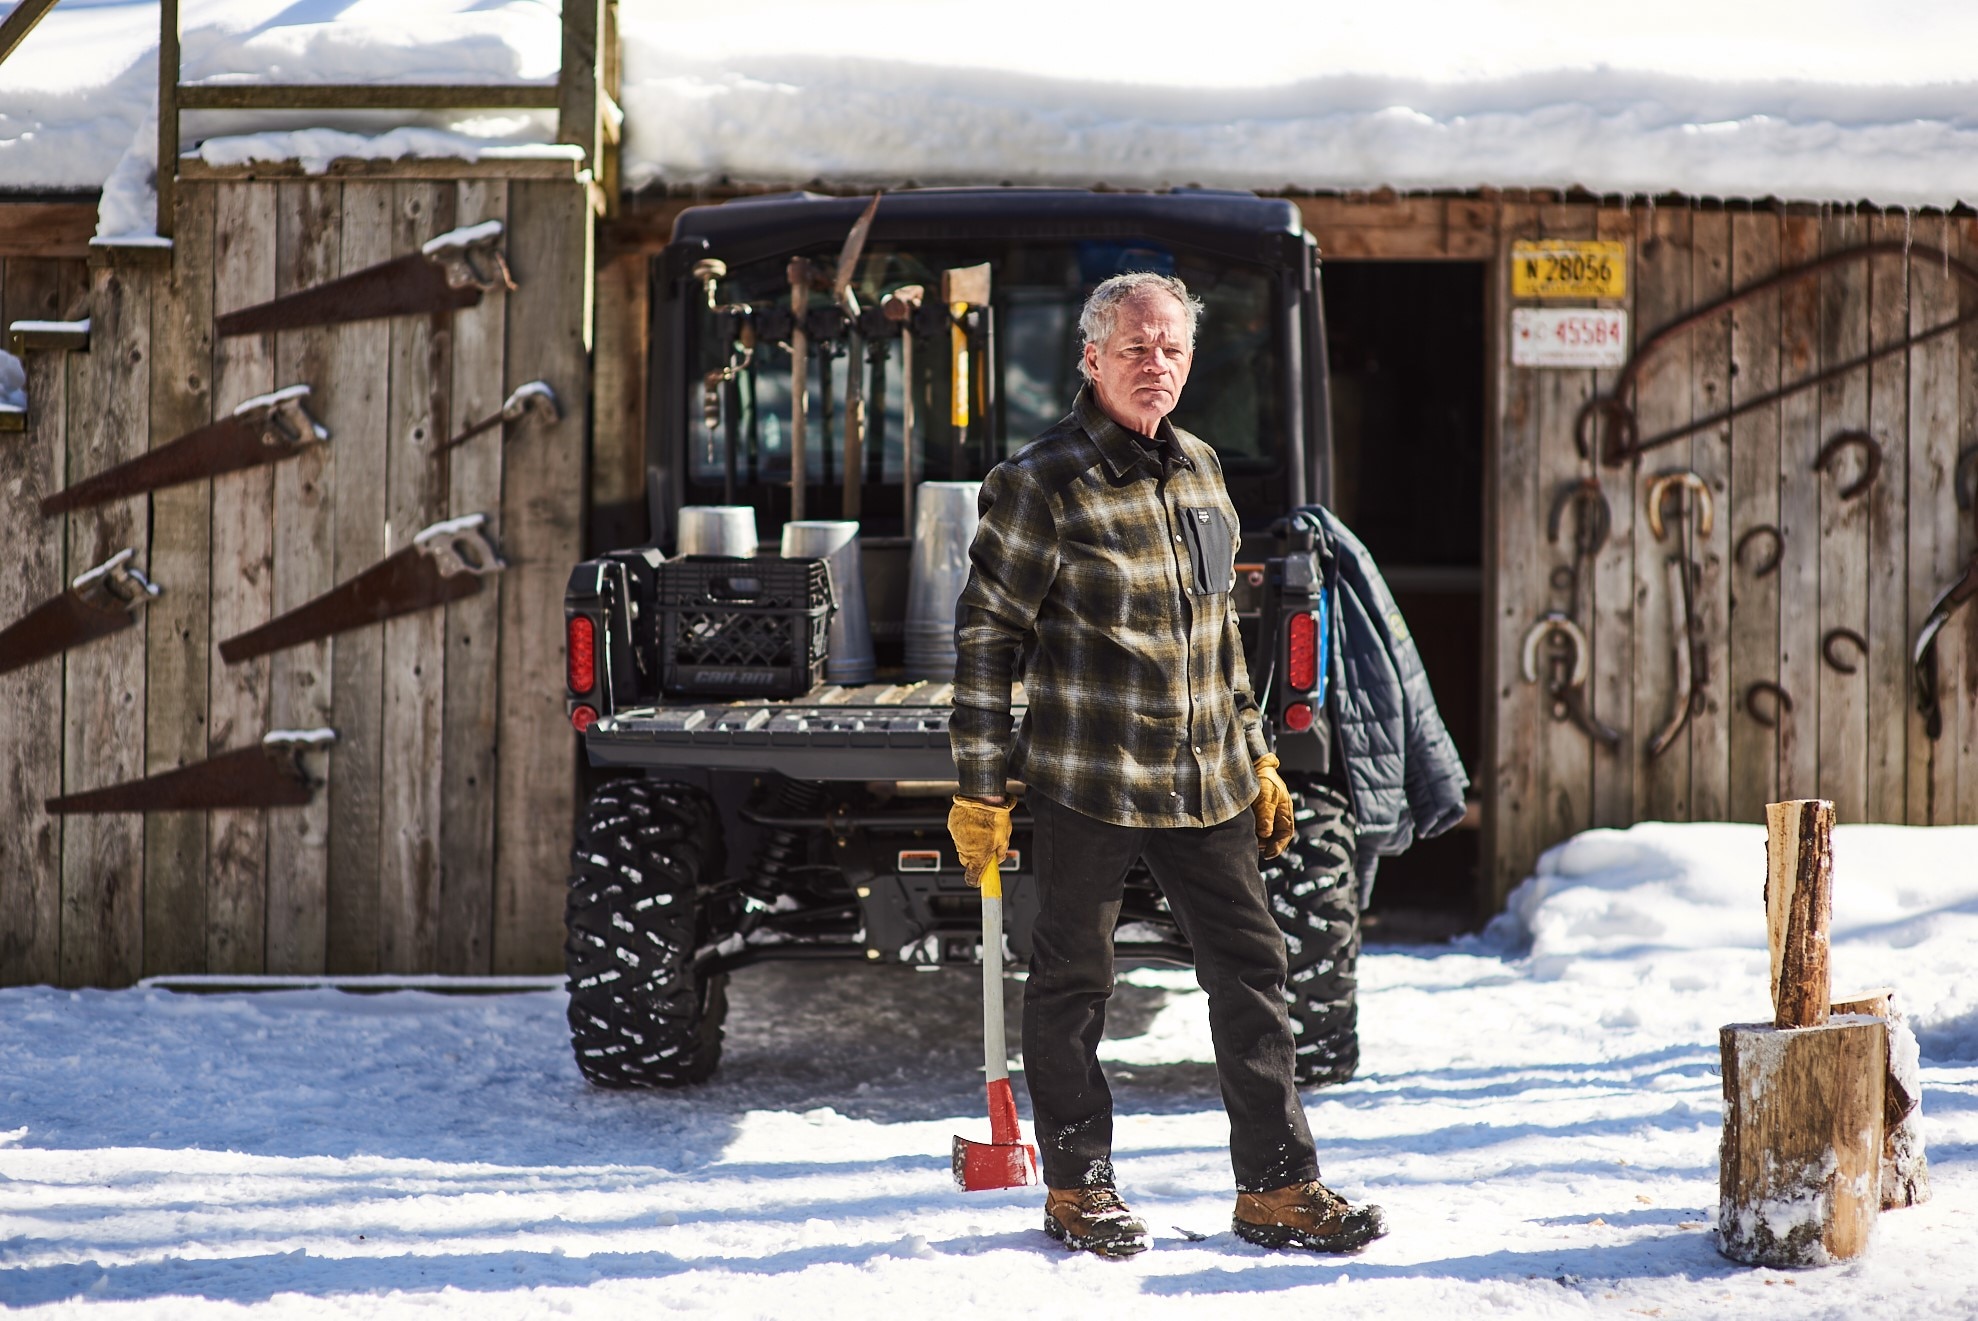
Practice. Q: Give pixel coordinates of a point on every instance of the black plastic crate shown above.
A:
(742, 628)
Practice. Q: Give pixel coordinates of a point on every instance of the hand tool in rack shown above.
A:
(1923, 657)
(847, 300)
(445, 562)
(103, 601)
(270, 774)
(734, 327)
(900, 306)
(1783, 702)
(265, 429)
(533, 399)
(450, 271)
(965, 293)
(1871, 457)
(799, 273)
(1842, 635)
(1005, 1160)
(1619, 437)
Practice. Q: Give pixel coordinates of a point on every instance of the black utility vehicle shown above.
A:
(810, 825)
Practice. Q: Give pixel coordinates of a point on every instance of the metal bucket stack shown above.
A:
(835, 541)
(944, 527)
(717, 530)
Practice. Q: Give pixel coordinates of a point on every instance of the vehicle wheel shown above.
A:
(1316, 899)
(640, 1014)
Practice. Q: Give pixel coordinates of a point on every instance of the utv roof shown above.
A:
(1236, 225)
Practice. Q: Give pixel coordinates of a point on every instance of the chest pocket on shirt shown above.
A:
(1211, 549)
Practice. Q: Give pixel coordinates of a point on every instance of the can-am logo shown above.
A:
(757, 677)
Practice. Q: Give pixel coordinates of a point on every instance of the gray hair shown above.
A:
(1100, 316)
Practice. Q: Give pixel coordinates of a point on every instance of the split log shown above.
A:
(1799, 908)
(1905, 1168)
(1800, 1177)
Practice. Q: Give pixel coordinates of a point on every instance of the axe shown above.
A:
(848, 302)
(449, 272)
(900, 306)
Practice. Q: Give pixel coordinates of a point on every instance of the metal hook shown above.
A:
(1770, 563)
(1871, 449)
(1783, 699)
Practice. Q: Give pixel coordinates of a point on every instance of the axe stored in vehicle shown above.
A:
(449, 272)
(98, 603)
(268, 775)
(848, 302)
(264, 429)
(965, 291)
(444, 563)
(902, 305)
(534, 400)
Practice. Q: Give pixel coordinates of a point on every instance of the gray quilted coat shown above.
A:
(1405, 777)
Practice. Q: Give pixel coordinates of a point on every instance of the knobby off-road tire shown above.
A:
(1316, 899)
(641, 1015)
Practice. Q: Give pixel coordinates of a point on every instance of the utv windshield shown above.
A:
(1022, 376)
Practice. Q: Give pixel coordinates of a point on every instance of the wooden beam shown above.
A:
(46, 229)
(579, 94)
(167, 170)
(367, 96)
(19, 22)
(561, 168)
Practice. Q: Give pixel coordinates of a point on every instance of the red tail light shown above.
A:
(1301, 669)
(583, 718)
(1298, 717)
(582, 636)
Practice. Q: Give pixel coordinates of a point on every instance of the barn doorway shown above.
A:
(1406, 343)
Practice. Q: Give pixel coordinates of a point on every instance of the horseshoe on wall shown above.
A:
(1871, 456)
(1842, 635)
(1782, 698)
(1770, 563)
(1659, 489)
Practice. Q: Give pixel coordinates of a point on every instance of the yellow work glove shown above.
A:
(1275, 825)
(981, 833)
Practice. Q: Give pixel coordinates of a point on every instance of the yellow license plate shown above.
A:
(1569, 268)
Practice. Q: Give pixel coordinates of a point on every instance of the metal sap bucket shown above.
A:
(717, 530)
(836, 542)
(944, 526)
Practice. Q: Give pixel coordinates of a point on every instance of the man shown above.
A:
(1102, 572)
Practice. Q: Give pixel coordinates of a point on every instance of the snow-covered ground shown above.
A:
(1822, 100)
(1538, 1112)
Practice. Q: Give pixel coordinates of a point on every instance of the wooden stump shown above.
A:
(1800, 1176)
(1905, 1167)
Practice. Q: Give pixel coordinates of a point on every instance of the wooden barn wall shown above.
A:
(425, 849)
(1871, 564)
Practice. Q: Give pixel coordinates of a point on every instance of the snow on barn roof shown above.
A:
(1812, 100)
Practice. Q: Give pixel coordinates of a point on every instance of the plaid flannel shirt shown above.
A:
(1101, 577)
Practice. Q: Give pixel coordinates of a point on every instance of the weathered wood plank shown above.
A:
(1515, 572)
(1843, 523)
(1565, 754)
(618, 435)
(1936, 296)
(308, 252)
(103, 708)
(473, 625)
(1710, 459)
(243, 366)
(355, 412)
(31, 736)
(1662, 276)
(1754, 502)
(541, 525)
(1885, 670)
(1799, 515)
(1959, 656)
(429, 168)
(414, 645)
(1611, 688)
(178, 632)
(47, 229)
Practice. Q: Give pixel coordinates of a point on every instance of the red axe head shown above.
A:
(1006, 1160)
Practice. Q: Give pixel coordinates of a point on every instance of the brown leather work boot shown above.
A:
(1093, 1220)
(1306, 1215)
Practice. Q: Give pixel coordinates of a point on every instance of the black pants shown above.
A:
(1211, 881)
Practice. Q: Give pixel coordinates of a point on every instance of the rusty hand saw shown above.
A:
(97, 604)
(237, 779)
(533, 400)
(444, 563)
(449, 272)
(265, 429)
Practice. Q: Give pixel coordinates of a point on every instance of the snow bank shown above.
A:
(1683, 906)
(1816, 99)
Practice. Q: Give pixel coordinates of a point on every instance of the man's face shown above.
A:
(1139, 371)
